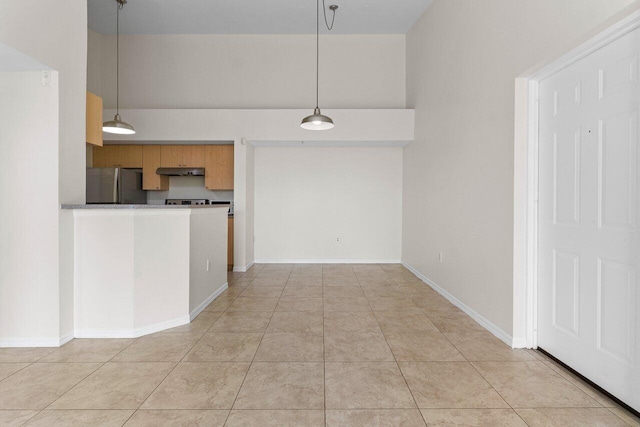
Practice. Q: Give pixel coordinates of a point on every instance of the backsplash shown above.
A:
(186, 187)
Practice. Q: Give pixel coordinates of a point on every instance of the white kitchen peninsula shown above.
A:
(140, 269)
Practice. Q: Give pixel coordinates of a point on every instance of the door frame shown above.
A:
(525, 224)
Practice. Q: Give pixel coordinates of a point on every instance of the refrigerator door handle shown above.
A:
(117, 192)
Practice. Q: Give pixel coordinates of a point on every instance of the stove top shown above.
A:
(200, 202)
(186, 202)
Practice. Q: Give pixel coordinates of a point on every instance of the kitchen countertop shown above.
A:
(113, 206)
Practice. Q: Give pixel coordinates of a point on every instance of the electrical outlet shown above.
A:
(208, 265)
(338, 240)
(441, 257)
(46, 78)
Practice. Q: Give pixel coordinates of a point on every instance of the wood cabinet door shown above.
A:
(106, 156)
(130, 156)
(219, 167)
(150, 163)
(117, 156)
(171, 156)
(94, 119)
(193, 156)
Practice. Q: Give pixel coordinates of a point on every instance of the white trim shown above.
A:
(35, 342)
(132, 333)
(66, 338)
(194, 313)
(305, 143)
(243, 269)
(525, 244)
(327, 261)
(483, 321)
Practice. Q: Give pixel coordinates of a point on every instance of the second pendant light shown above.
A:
(318, 121)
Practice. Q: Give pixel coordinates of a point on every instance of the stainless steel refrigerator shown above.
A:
(116, 186)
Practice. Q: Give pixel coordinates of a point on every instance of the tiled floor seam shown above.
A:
(256, 352)
(74, 386)
(397, 364)
(617, 415)
(176, 365)
(324, 354)
(166, 376)
(483, 377)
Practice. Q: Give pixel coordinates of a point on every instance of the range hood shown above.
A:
(180, 171)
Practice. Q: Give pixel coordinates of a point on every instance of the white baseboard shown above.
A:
(519, 343)
(66, 338)
(29, 342)
(483, 321)
(36, 342)
(194, 313)
(243, 269)
(132, 333)
(327, 261)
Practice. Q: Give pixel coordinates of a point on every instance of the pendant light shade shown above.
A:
(318, 121)
(117, 126)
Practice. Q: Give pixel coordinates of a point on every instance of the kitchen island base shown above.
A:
(140, 271)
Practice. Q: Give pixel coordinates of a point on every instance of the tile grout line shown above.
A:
(619, 417)
(257, 349)
(254, 355)
(245, 375)
(174, 367)
(324, 354)
(76, 384)
(68, 390)
(402, 373)
(394, 357)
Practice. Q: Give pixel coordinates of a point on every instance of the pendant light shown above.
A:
(117, 125)
(318, 121)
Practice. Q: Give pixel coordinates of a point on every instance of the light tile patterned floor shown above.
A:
(304, 345)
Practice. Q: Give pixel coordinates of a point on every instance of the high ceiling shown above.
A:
(253, 16)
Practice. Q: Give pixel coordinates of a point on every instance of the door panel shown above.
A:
(566, 291)
(616, 310)
(589, 248)
(617, 171)
(566, 178)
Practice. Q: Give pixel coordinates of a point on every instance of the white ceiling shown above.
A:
(253, 16)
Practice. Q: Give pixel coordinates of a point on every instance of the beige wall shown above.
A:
(56, 36)
(462, 59)
(249, 71)
(308, 197)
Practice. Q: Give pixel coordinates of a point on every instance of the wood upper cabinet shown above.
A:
(218, 167)
(193, 156)
(117, 156)
(150, 163)
(94, 119)
(181, 156)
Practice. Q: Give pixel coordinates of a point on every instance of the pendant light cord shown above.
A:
(329, 27)
(318, 53)
(333, 20)
(120, 6)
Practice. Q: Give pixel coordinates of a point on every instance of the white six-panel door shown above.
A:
(589, 247)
